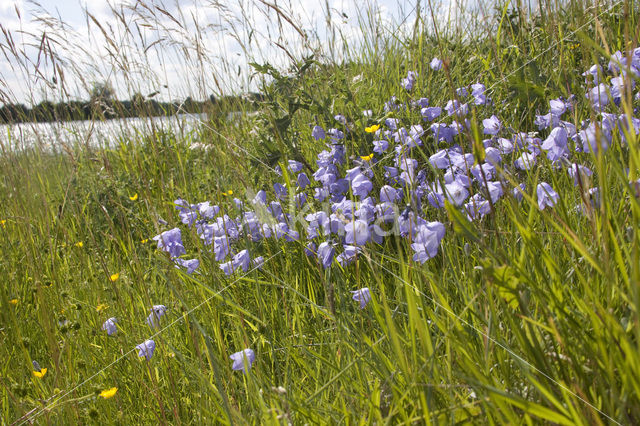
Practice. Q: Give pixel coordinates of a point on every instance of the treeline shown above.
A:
(101, 108)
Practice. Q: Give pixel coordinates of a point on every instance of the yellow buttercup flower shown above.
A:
(372, 129)
(229, 192)
(14, 301)
(367, 157)
(40, 374)
(79, 244)
(101, 307)
(114, 277)
(2, 222)
(108, 393)
(133, 197)
(146, 240)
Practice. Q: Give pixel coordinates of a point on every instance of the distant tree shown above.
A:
(100, 99)
(101, 92)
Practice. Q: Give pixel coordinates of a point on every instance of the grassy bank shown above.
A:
(518, 314)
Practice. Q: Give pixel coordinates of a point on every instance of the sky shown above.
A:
(177, 48)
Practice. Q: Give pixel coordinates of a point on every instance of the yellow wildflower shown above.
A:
(40, 374)
(114, 277)
(229, 192)
(79, 244)
(101, 307)
(367, 157)
(145, 241)
(133, 197)
(108, 393)
(2, 222)
(372, 129)
(14, 301)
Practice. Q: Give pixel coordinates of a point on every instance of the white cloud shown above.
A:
(202, 44)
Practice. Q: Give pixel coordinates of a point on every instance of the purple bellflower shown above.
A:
(110, 326)
(239, 359)
(146, 349)
(362, 296)
(547, 197)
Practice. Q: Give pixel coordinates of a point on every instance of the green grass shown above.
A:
(526, 316)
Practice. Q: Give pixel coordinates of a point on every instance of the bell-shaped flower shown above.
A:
(477, 207)
(557, 107)
(348, 255)
(430, 113)
(241, 260)
(227, 268)
(495, 191)
(493, 155)
(504, 145)
(556, 144)
(454, 107)
(260, 198)
(579, 173)
(110, 326)
(547, 197)
(593, 74)
(221, 248)
(171, 242)
(442, 132)
(598, 97)
(357, 232)
(146, 349)
(380, 146)
(310, 249)
(295, 166)
(407, 83)
(594, 138)
(258, 262)
(362, 296)
(491, 125)
(157, 312)
(456, 193)
(518, 192)
(361, 186)
(326, 252)
(189, 264)
(303, 180)
(243, 358)
(317, 133)
(280, 191)
(526, 161)
(389, 193)
(427, 240)
(436, 64)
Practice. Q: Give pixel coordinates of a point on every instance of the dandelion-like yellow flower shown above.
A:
(108, 393)
(14, 301)
(229, 192)
(372, 129)
(101, 307)
(145, 241)
(367, 157)
(40, 374)
(133, 197)
(114, 277)
(2, 222)
(79, 244)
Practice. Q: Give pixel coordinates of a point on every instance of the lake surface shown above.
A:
(107, 133)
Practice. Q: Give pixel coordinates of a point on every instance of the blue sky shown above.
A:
(167, 54)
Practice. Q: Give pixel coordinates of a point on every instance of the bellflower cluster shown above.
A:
(351, 205)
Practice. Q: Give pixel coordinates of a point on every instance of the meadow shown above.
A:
(436, 226)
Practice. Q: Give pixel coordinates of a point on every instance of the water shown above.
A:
(56, 135)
